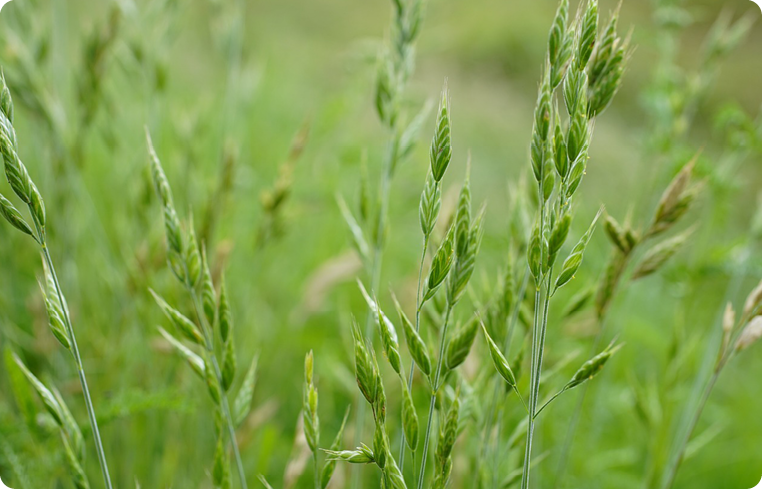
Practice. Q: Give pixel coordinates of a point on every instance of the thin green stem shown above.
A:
(434, 392)
(498, 382)
(317, 472)
(680, 454)
(375, 275)
(549, 401)
(75, 353)
(207, 331)
(401, 458)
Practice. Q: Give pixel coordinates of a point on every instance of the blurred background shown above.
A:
(262, 113)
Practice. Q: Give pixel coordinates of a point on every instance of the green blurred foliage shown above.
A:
(225, 88)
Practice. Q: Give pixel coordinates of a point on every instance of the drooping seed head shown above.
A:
(13, 216)
(498, 360)
(657, 256)
(592, 367)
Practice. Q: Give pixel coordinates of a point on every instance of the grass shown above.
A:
(258, 145)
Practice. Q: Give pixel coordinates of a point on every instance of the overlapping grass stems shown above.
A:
(590, 67)
(55, 303)
(451, 268)
(396, 62)
(737, 335)
(311, 422)
(188, 262)
(627, 240)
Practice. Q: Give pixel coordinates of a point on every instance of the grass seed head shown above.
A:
(498, 360)
(753, 302)
(750, 334)
(415, 343)
(460, 344)
(409, 418)
(441, 147)
(574, 260)
(13, 216)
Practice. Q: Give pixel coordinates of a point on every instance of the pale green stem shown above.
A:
(75, 353)
(417, 327)
(375, 278)
(317, 472)
(207, 331)
(434, 391)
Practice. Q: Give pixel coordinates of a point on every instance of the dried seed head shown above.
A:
(753, 302)
(675, 201)
(13, 216)
(441, 147)
(750, 334)
(659, 254)
(616, 234)
(728, 319)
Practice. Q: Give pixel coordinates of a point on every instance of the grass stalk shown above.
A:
(401, 458)
(207, 332)
(434, 390)
(75, 352)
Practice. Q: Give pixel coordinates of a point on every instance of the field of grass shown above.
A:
(264, 118)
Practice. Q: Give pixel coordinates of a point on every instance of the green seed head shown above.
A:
(441, 148)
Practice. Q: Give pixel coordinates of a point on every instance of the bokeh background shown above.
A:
(245, 98)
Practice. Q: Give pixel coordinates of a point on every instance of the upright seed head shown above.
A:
(753, 302)
(588, 30)
(750, 334)
(431, 201)
(310, 406)
(6, 102)
(441, 148)
(224, 314)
